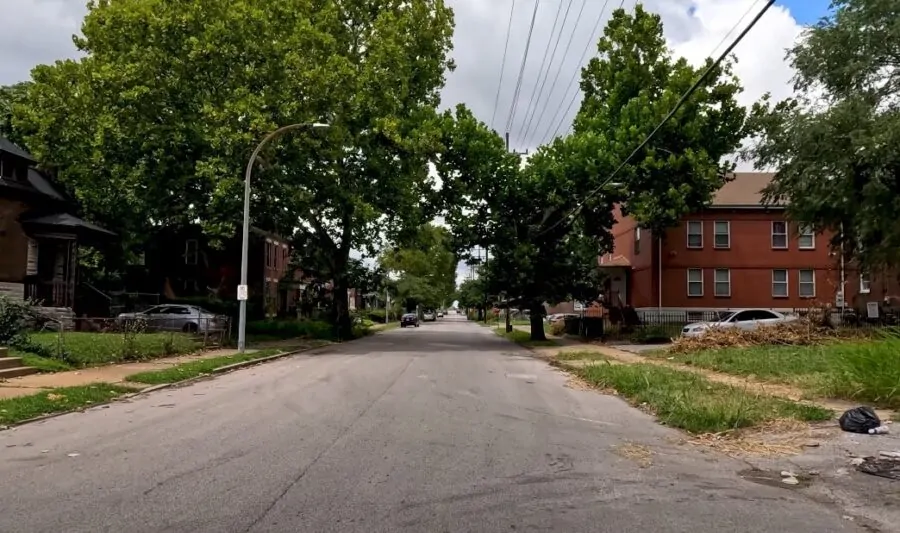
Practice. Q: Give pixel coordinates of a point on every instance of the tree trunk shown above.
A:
(340, 306)
(536, 307)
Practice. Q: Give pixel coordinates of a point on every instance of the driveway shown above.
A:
(443, 428)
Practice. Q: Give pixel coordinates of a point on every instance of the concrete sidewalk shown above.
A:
(36, 383)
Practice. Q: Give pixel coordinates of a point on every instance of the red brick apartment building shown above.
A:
(734, 254)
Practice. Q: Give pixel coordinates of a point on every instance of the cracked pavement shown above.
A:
(443, 428)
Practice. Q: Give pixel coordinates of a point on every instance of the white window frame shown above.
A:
(801, 283)
(716, 282)
(865, 283)
(687, 225)
(806, 232)
(785, 235)
(786, 283)
(689, 282)
(727, 234)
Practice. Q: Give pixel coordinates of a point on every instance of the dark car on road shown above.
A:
(409, 319)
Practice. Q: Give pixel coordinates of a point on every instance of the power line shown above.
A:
(584, 52)
(693, 88)
(515, 101)
(532, 102)
(512, 9)
(565, 53)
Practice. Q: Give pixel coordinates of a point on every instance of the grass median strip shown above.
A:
(197, 368)
(864, 371)
(523, 338)
(15, 410)
(689, 401)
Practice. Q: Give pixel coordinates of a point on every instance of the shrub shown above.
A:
(289, 329)
(15, 317)
(558, 328)
(375, 315)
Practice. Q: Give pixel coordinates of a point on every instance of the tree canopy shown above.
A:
(425, 270)
(834, 144)
(549, 221)
(154, 125)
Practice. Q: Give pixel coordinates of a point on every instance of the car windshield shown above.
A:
(724, 316)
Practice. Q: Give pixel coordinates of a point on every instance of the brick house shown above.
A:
(40, 234)
(736, 253)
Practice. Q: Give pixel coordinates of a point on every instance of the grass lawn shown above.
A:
(691, 402)
(523, 337)
(93, 349)
(196, 368)
(864, 371)
(15, 410)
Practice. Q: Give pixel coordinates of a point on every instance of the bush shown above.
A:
(15, 317)
(375, 315)
(558, 328)
(290, 329)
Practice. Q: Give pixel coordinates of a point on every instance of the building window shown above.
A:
(807, 285)
(780, 283)
(695, 282)
(637, 240)
(694, 234)
(723, 283)
(865, 283)
(191, 251)
(806, 239)
(722, 234)
(779, 235)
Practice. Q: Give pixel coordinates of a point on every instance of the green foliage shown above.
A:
(11, 96)
(15, 316)
(291, 329)
(82, 349)
(632, 84)
(157, 120)
(197, 368)
(426, 269)
(691, 402)
(834, 144)
(470, 293)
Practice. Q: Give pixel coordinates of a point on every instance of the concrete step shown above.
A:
(10, 362)
(17, 372)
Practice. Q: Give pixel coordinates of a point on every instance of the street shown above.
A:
(442, 428)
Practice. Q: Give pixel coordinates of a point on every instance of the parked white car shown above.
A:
(742, 318)
(176, 317)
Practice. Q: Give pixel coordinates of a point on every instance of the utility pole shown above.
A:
(509, 327)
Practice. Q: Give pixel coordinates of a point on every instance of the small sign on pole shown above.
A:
(242, 292)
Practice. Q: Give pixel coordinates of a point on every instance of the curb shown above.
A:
(154, 388)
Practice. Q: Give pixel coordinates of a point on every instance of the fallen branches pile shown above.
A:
(796, 333)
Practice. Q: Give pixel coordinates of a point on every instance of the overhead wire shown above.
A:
(515, 101)
(565, 53)
(512, 10)
(591, 41)
(687, 94)
(532, 101)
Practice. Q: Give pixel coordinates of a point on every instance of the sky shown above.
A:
(695, 29)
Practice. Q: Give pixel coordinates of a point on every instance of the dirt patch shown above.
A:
(575, 382)
(640, 454)
(777, 438)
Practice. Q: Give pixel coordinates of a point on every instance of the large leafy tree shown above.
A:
(11, 96)
(425, 271)
(155, 124)
(835, 143)
(556, 218)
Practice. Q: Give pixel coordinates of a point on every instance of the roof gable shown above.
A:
(744, 190)
(7, 146)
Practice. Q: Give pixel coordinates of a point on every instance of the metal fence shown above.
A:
(131, 338)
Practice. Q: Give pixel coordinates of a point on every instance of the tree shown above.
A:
(157, 121)
(835, 143)
(426, 272)
(556, 217)
(470, 294)
(11, 96)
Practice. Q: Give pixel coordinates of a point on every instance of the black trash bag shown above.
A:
(859, 420)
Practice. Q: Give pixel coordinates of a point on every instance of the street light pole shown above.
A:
(245, 237)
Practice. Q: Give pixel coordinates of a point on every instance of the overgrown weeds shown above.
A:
(796, 333)
(22, 408)
(689, 401)
(523, 338)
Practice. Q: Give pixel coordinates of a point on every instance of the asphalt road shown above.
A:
(442, 428)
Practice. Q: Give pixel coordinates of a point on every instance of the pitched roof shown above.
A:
(7, 146)
(68, 221)
(745, 190)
